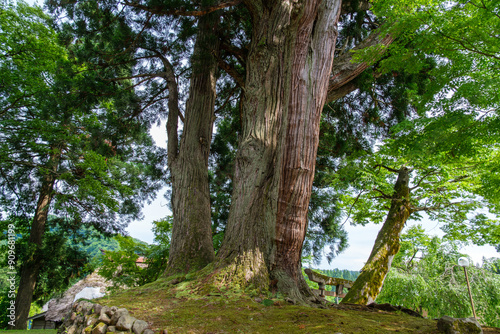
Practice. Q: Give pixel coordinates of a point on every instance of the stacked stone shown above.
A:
(88, 318)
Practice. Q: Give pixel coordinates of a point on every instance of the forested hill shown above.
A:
(94, 245)
(350, 275)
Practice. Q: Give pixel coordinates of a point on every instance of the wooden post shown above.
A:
(321, 289)
(470, 295)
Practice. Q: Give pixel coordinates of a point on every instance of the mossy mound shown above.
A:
(176, 306)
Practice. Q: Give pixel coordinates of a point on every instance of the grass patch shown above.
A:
(178, 309)
(30, 331)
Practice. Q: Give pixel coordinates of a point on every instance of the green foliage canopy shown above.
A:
(57, 110)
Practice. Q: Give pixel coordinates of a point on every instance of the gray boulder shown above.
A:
(91, 320)
(104, 318)
(449, 325)
(117, 314)
(125, 322)
(107, 311)
(97, 308)
(100, 328)
(139, 326)
(72, 329)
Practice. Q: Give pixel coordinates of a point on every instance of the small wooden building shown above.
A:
(38, 321)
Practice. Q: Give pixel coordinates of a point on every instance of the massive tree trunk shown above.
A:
(369, 283)
(30, 268)
(311, 67)
(288, 68)
(191, 246)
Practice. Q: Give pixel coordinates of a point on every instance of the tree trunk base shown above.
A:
(296, 291)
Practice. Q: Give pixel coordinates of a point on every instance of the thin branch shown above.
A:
(388, 168)
(148, 75)
(460, 178)
(227, 100)
(434, 208)
(12, 105)
(472, 48)
(430, 172)
(153, 100)
(352, 206)
(384, 195)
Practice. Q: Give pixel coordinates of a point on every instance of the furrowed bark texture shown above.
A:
(249, 238)
(31, 267)
(311, 67)
(191, 246)
(369, 283)
(287, 76)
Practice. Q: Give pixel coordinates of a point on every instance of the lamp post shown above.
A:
(464, 262)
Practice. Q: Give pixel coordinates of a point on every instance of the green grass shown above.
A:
(180, 309)
(32, 331)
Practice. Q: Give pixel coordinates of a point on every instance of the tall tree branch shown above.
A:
(433, 208)
(240, 80)
(344, 70)
(173, 109)
(384, 195)
(387, 168)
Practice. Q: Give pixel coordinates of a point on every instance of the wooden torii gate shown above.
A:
(323, 280)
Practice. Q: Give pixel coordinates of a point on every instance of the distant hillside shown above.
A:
(93, 243)
(350, 275)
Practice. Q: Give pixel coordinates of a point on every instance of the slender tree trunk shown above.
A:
(369, 283)
(31, 267)
(287, 75)
(191, 246)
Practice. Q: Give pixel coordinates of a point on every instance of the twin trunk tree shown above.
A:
(288, 68)
(288, 74)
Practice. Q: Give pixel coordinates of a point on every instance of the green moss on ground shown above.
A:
(31, 331)
(179, 310)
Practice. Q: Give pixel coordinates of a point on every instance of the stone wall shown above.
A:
(88, 318)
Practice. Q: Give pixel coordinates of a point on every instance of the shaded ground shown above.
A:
(178, 309)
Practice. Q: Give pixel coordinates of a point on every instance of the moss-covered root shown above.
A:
(243, 273)
(295, 290)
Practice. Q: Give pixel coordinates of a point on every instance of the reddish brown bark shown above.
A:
(287, 75)
(249, 237)
(311, 67)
